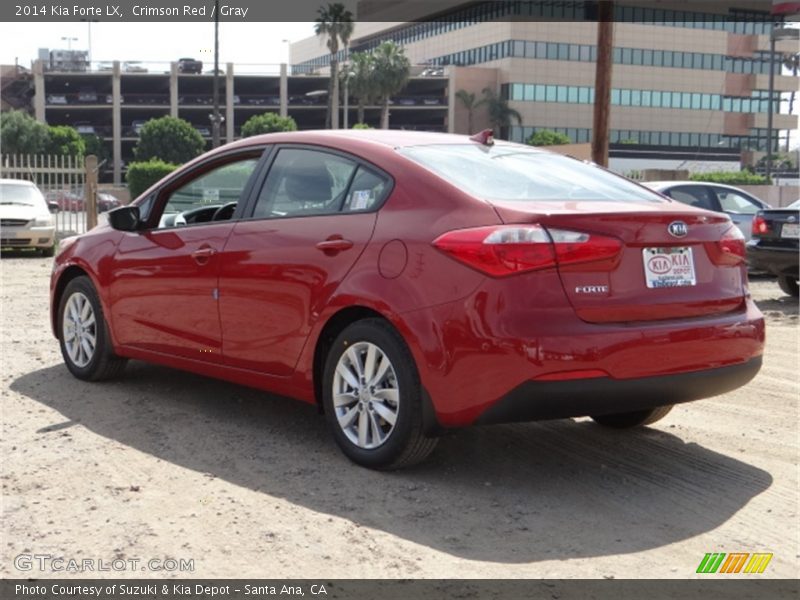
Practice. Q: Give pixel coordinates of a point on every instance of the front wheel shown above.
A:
(637, 418)
(83, 334)
(372, 397)
(789, 285)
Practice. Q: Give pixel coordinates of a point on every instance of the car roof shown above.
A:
(665, 184)
(390, 138)
(17, 182)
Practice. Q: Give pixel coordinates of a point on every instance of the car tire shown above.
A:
(371, 374)
(789, 285)
(85, 322)
(49, 252)
(637, 418)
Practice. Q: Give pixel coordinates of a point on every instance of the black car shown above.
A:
(774, 246)
(190, 65)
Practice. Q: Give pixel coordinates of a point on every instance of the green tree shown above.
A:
(63, 140)
(267, 123)
(546, 137)
(336, 23)
(500, 113)
(361, 126)
(169, 139)
(360, 80)
(391, 72)
(141, 175)
(21, 134)
(470, 102)
(94, 145)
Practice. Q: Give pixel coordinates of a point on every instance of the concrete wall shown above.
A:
(775, 195)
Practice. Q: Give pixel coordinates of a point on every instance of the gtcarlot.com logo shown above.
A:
(49, 563)
(734, 562)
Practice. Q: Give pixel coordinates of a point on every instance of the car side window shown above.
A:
(212, 196)
(734, 202)
(367, 191)
(693, 195)
(304, 182)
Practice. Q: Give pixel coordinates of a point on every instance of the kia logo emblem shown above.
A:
(678, 229)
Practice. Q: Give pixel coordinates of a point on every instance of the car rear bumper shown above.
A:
(30, 237)
(778, 261)
(539, 400)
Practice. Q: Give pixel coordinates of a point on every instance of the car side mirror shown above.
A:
(124, 218)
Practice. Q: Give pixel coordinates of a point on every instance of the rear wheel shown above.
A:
(83, 334)
(633, 419)
(788, 284)
(373, 398)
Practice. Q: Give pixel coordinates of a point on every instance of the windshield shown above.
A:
(514, 173)
(12, 193)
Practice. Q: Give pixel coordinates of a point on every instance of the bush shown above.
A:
(731, 178)
(21, 134)
(141, 175)
(545, 137)
(169, 139)
(267, 123)
(63, 140)
(361, 126)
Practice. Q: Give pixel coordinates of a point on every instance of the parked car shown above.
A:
(56, 99)
(203, 130)
(133, 66)
(106, 202)
(136, 126)
(69, 200)
(409, 283)
(734, 202)
(190, 65)
(25, 220)
(774, 247)
(87, 95)
(84, 127)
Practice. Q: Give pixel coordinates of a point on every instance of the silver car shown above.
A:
(25, 220)
(739, 205)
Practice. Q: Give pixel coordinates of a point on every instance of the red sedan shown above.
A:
(409, 283)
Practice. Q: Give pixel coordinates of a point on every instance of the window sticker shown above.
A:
(361, 199)
(210, 196)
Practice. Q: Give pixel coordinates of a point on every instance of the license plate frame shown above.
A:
(792, 229)
(669, 267)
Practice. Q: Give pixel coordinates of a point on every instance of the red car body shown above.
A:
(253, 301)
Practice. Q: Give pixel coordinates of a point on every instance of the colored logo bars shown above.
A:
(735, 562)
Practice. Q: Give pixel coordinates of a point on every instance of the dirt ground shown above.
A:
(166, 465)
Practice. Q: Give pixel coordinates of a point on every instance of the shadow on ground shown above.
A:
(528, 484)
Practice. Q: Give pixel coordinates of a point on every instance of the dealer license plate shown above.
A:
(669, 267)
(790, 230)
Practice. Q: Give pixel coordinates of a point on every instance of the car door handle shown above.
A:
(334, 245)
(202, 255)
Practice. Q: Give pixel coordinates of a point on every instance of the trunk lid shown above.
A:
(628, 288)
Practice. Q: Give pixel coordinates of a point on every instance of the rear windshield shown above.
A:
(512, 173)
(12, 193)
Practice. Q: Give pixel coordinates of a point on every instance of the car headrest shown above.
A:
(307, 179)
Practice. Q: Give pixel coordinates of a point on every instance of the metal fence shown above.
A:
(61, 179)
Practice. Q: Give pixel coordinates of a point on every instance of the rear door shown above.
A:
(309, 222)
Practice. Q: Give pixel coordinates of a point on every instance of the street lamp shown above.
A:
(215, 117)
(69, 41)
(346, 84)
(781, 33)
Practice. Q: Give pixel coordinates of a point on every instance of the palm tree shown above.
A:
(469, 101)
(336, 23)
(391, 71)
(500, 113)
(361, 82)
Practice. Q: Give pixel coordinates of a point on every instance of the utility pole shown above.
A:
(602, 83)
(215, 118)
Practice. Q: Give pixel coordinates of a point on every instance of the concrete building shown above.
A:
(113, 100)
(683, 82)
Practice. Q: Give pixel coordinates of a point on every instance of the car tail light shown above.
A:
(760, 225)
(508, 249)
(729, 250)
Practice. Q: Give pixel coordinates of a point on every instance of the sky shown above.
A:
(250, 43)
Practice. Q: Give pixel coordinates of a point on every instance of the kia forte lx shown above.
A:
(411, 283)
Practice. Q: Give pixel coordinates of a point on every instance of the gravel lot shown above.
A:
(163, 464)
